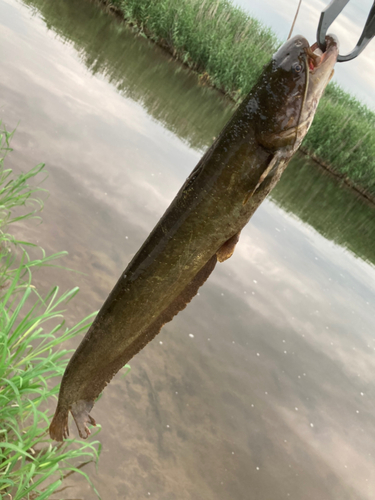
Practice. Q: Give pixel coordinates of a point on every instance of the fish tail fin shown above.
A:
(59, 429)
(80, 411)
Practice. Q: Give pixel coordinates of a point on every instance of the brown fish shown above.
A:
(201, 225)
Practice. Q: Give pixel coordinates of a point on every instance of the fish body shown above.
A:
(201, 225)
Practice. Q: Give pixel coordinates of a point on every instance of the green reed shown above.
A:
(32, 337)
(211, 36)
(343, 136)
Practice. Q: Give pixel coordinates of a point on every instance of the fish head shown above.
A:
(289, 90)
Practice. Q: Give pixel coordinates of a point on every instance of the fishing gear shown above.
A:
(330, 14)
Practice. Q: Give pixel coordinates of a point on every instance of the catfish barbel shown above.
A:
(201, 225)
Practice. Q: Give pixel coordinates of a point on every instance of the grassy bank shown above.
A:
(228, 49)
(32, 336)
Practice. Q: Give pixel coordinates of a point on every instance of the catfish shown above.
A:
(202, 224)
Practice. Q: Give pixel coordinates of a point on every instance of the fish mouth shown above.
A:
(320, 72)
(317, 58)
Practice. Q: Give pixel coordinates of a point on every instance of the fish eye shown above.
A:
(297, 68)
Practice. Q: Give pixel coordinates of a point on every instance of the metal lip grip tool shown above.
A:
(330, 14)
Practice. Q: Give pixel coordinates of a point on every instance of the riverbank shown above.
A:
(218, 41)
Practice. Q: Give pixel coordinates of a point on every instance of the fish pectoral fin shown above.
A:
(80, 411)
(274, 161)
(226, 250)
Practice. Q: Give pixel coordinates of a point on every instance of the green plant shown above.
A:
(212, 36)
(32, 328)
(343, 136)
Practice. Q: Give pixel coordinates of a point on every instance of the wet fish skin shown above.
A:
(200, 226)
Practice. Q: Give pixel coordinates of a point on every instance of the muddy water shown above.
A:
(263, 387)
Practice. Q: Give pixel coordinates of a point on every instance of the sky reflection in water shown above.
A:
(273, 395)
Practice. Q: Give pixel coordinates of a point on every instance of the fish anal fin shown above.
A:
(226, 250)
(80, 410)
(178, 304)
(182, 300)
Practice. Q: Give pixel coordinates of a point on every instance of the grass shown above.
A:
(343, 136)
(225, 45)
(228, 48)
(32, 336)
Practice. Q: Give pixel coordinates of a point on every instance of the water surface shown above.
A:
(263, 387)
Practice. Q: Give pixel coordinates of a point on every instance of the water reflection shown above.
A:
(139, 72)
(273, 395)
(338, 214)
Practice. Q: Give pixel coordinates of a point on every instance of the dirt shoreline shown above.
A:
(362, 192)
(204, 79)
